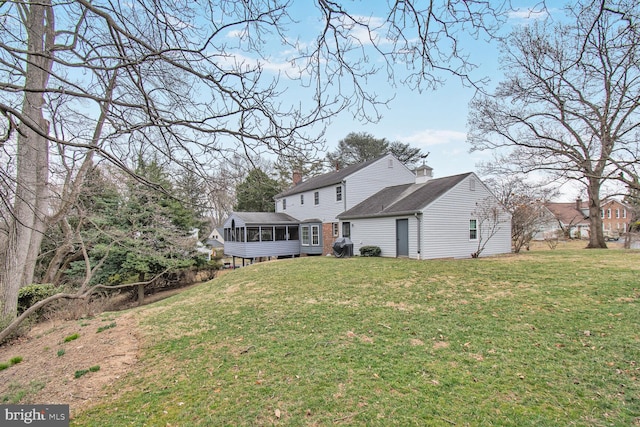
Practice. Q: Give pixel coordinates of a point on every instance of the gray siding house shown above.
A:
(379, 202)
(434, 218)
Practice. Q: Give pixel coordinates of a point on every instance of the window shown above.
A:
(472, 185)
(315, 235)
(284, 204)
(338, 193)
(305, 235)
(267, 234)
(618, 213)
(253, 234)
(316, 198)
(390, 164)
(302, 199)
(335, 228)
(608, 213)
(281, 233)
(473, 229)
(624, 213)
(601, 213)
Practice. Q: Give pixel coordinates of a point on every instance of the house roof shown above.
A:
(568, 213)
(403, 199)
(327, 179)
(256, 218)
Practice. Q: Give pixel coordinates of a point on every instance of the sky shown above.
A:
(433, 120)
(436, 120)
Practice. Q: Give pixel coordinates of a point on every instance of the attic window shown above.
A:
(284, 204)
(390, 164)
(472, 185)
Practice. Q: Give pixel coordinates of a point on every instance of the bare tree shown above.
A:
(490, 216)
(189, 81)
(570, 101)
(525, 202)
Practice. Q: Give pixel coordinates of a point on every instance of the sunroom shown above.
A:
(258, 236)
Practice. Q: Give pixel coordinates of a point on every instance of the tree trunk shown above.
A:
(32, 164)
(141, 288)
(596, 234)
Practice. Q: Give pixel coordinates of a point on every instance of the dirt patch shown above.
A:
(47, 372)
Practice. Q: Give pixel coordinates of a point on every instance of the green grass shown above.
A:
(18, 391)
(81, 372)
(549, 338)
(13, 361)
(105, 327)
(71, 337)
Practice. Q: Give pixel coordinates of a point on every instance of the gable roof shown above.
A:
(568, 213)
(327, 179)
(403, 199)
(255, 218)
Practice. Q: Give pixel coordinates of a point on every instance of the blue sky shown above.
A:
(436, 120)
(433, 120)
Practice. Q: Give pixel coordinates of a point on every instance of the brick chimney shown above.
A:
(297, 177)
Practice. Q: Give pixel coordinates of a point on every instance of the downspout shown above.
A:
(344, 195)
(344, 204)
(419, 220)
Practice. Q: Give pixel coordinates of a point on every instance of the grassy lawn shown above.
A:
(547, 338)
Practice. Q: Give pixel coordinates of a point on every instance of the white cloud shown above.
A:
(430, 137)
(528, 13)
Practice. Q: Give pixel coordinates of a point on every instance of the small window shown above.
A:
(338, 193)
(390, 164)
(335, 229)
(472, 185)
(473, 229)
(608, 213)
(315, 235)
(302, 199)
(602, 213)
(316, 198)
(284, 204)
(624, 213)
(305, 235)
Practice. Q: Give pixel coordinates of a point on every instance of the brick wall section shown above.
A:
(327, 238)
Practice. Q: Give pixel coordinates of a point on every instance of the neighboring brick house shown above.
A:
(616, 217)
(573, 218)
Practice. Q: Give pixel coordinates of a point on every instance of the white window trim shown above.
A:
(472, 239)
